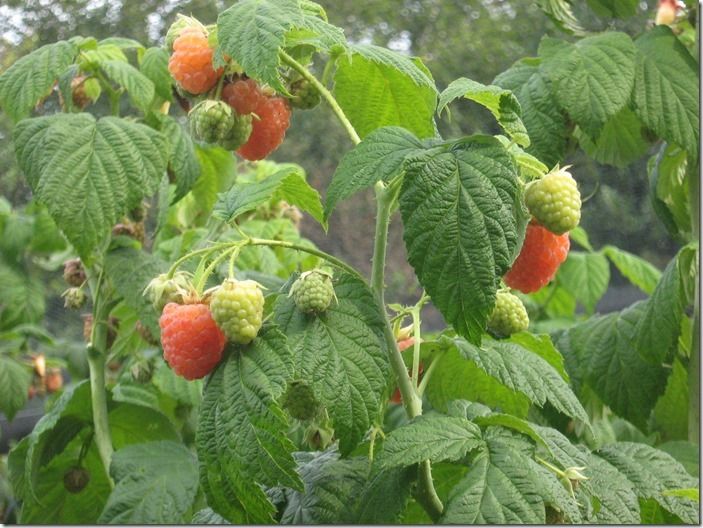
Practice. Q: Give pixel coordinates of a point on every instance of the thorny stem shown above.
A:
(324, 92)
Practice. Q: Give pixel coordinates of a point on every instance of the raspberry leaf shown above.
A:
(208, 516)
(463, 225)
(562, 15)
(287, 184)
(619, 143)
(155, 483)
(593, 78)
(23, 297)
(89, 172)
(342, 355)
(652, 472)
(435, 438)
(32, 77)
(615, 493)
(377, 87)
(601, 354)
(14, 383)
(499, 488)
(499, 101)
(585, 276)
(253, 32)
(525, 372)
(379, 157)
(183, 162)
(154, 65)
(543, 120)
(139, 87)
(666, 84)
(241, 436)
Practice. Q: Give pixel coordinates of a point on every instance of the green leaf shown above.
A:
(288, 184)
(586, 277)
(689, 493)
(671, 410)
(561, 14)
(56, 429)
(379, 157)
(121, 42)
(498, 489)
(139, 87)
(530, 167)
(14, 384)
(448, 383)
(614, 498)
(684, 452)
(378, 87)
(579, 235)
(32, 77)
(637, 270)
(52, 503)
(669, 188)
(463, 224)
(135, 424)
(253, 32)
(614, 8)
(183, 164)
(544, 121)
(541, 344)
(499, 101)
(601, 352)
(208, 516)
(593, 78)
(435, 438)
(89, 173)
(156, 483)
(154, 65)
(620, 141)
(22, 298)
(666, 84)
(652, 472)
(176, 387)
(525, 372)
(658, 329)
(241, 438)
(130, 271)
(342, 355)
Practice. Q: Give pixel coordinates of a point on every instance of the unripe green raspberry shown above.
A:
(313, 291)
(239, 133)
(304, 95)
(509, 315)
(238, 309)
(74, 298)
(162, 290)
(300, 401)
(555, 201)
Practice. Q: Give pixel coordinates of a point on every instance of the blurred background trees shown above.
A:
(470, 38)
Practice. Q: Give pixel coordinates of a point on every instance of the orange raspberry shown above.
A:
(191, 62)
(540, 257)
(191, 340)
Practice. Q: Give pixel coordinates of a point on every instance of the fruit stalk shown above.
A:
(325, 93)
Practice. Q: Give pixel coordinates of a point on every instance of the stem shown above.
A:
(97, 351)
(416, 346)
(384, 201)
(385, 197)
(325, 93)
(426, 376)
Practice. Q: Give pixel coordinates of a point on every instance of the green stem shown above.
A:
(385, 198)
(427, 375)
(325, 93)
(97, 352)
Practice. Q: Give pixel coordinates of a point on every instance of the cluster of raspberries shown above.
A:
(237, 114)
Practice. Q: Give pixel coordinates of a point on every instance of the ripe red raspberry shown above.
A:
(243, 95)
(191, 340)
(271, 119)
(541, 255)
(191, 62)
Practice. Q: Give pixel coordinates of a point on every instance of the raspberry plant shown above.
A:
(296, 419)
